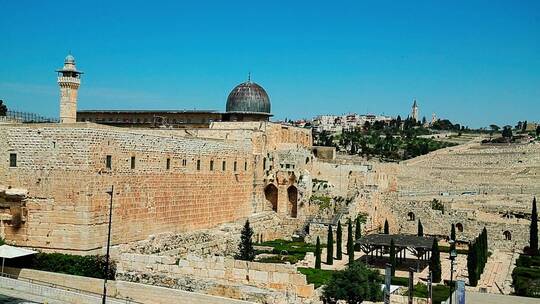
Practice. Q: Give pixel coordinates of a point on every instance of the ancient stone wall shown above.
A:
(162, 183)
(215, 275)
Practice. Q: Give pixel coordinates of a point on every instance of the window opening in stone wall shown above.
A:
(223, 166)
(133, 162)
(271, 195)
(168, 163)
(198, 164)
(507, 235)
(459, 227)
(211, 165)
(292, 193)
(234, 166)
(108, 162)
(245, 166)
(13, 160)
(264, 163)
(184, 162)
(411, 216)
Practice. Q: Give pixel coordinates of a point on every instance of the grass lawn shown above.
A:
(316, 276)
(291, 250)
(440, 292)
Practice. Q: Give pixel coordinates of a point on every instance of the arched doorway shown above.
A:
(271, 195)
(459, 227)
(507, 235)
(411, 216)
(292, 193)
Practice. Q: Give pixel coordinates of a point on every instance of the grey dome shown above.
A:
(248, 97)
(69, 59)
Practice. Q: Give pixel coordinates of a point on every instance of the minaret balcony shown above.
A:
(69, 80)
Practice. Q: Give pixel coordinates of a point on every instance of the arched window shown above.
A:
(507, 235)
(411, 216)
(459, 227)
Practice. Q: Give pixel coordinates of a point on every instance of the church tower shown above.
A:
(414, 112)
(69, 80)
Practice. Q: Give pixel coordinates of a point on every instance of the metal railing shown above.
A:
(27, 117)
(66, 288)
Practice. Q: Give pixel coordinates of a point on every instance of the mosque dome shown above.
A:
(248, 97)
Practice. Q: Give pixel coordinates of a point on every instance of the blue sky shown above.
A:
(474, 62)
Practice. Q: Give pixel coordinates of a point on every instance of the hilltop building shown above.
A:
(414, 111)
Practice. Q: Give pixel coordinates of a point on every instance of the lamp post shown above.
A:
(111, 193)
(453, 256)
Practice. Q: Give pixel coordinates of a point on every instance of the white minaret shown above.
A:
(69, 80)
(414, 112)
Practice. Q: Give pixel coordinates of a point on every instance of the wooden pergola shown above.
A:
(376, 245)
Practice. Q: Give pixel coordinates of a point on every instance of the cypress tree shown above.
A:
(533, 231)
(420, 229)
(435, 262)
(357, 233)
(330, 247)
(386, 228)
(339, 233)
(245, 248)
(393, 256)
(350, 243)
(472, 266)
(318, 254)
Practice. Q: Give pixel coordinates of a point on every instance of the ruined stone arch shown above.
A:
(271, 195)
(411, 216)
(507, 235)
(292, 194)
(459, 227)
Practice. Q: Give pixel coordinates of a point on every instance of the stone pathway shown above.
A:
(496, 272)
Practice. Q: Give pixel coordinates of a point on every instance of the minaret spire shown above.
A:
(249, 77)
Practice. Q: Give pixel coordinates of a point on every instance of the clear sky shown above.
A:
(474, 62)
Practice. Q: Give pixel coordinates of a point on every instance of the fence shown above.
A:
(27, 117)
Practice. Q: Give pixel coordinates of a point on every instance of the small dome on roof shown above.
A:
(69, 59)
(248, 97)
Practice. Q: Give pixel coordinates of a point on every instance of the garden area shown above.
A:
(282, 251)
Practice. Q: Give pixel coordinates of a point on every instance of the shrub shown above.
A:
(87, 266)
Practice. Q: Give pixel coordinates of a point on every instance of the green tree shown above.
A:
(538, 130)
(350, 243)
(318, 254)
(357, 233)
(420, 229)
(393, 256)
(3, 108)
(494, 128)
(386, 227)
(507, 132)
(524, 128)
(2, 242)
(339, 235)
(435, 262)
(330, 247)
(533, 231)
(245, 248)
(472, 265)
(354, 284)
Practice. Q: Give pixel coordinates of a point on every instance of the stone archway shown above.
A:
(292, 194)
(411, 216)
(507, 235)
(271, 195)
(459, 227)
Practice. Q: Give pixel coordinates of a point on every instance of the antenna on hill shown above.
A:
(249, 76)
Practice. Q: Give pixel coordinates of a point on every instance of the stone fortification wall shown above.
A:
(176, 184)
(405, 216)
(261, 282)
